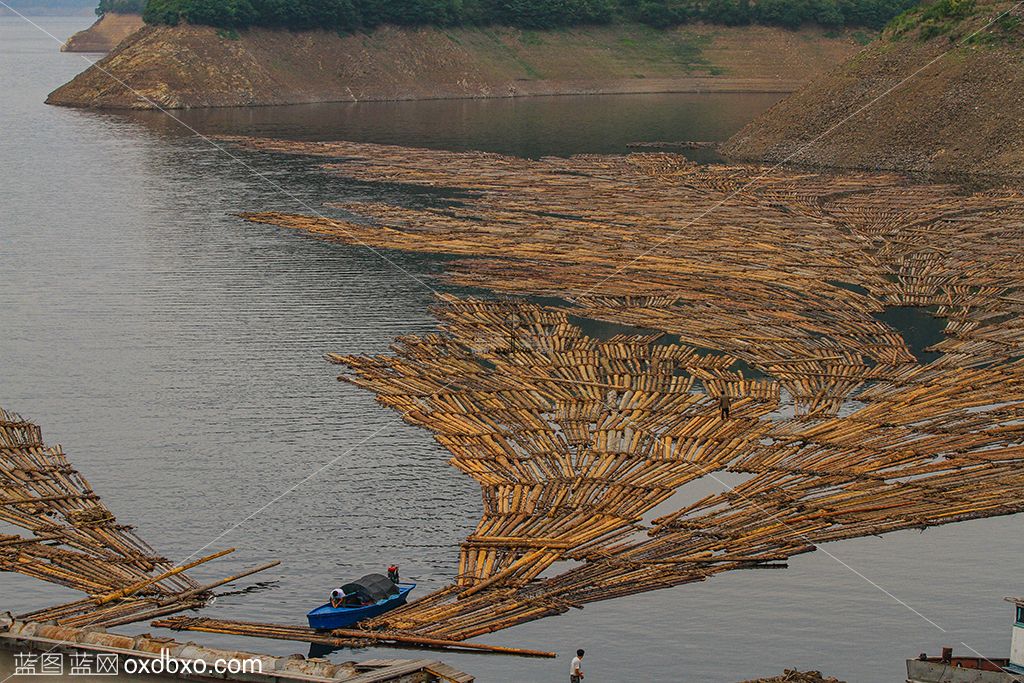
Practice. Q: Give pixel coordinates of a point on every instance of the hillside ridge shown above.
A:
(195, 66)
(939, 95)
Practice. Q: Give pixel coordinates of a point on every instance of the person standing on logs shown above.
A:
(576, 668)
(724, 404)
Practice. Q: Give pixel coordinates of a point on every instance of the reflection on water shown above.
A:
(532, 127)
(175, 351)
(919, 327)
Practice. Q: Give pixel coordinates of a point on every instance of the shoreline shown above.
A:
(683, 86)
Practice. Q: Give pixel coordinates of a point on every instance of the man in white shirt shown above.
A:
(576, 668)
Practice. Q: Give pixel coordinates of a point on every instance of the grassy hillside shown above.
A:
(941, 91)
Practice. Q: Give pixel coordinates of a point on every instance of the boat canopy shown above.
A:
(372, 587)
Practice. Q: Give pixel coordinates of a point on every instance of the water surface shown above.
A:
(176, 352)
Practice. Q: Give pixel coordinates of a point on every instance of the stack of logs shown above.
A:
(575, 440)
(785, 270)
(839, 432)
(77, 542)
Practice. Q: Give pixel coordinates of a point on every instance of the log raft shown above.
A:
(259, 668)
(337, 638)
(765, 286)
(75, 541)
(772, 284)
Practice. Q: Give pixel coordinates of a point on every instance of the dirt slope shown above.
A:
(964, 113)
(109, 30)
(189, 66)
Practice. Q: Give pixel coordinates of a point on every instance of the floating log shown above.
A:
(135, 588)
(336, 637)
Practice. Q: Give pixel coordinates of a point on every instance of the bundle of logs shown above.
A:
(840, 431)
(785, 270)
(769, 358)
(77, 542)
(575, 440)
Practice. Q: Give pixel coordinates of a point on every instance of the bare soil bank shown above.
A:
(191, 66)
(964, 113)
(105, 34)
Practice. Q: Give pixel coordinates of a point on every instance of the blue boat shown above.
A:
(368, 597)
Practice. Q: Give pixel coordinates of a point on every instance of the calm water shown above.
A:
(175, 352)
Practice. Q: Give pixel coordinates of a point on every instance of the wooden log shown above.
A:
(134, 588)
(338, 637)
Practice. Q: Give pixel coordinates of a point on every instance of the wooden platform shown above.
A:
(22, 636)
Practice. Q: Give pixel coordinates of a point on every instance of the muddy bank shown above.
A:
(190, 66)
(953, 103)
(109, 30)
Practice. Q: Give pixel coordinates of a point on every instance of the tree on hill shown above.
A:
(347, 15)
(788, 13)
(121, 6)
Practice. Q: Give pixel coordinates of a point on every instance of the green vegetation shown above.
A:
(1007, 30)
(349, 15)
(121, 6)
(356, 14)
(679, 47)
(863, 37)
(935, 19)
(789, 13)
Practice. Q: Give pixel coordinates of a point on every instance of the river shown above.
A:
(175, 352)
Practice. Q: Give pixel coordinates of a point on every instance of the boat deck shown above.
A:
(960, 670)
